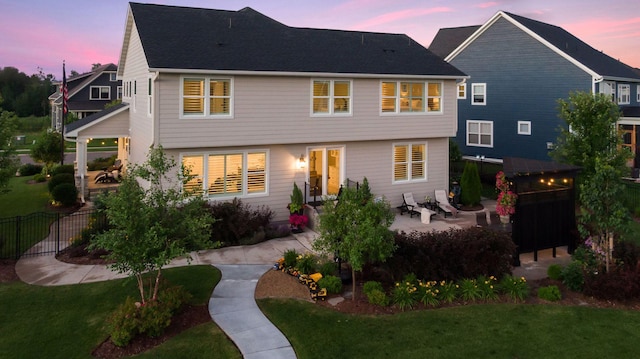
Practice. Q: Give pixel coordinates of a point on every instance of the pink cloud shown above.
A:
(486, 5)
(399, 15)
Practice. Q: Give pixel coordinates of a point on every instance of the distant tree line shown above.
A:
(25, 95)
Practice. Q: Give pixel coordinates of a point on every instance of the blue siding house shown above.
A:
(518, 69)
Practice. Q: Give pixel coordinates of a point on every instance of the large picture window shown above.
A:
(410, 97)
(226, 174)
(480, 133)
(331, 97)
(206, 97)
(409, 162)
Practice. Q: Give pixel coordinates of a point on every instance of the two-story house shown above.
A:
(518, 69)
(88, 93)
(252, 105)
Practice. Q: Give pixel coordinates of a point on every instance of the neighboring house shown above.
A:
(518, 69)
(252, 106)
(88, 93)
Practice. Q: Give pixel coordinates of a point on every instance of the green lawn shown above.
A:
(24, 198)
(475, 331)
(67, 321)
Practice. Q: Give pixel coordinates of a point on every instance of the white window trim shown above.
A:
(624, 90)
(479, 122)
(119, 93)
(484, 94)
(207, 84)
(100, 91)
(398, 97)
(332, 98)
(409, 179)
(637, 93)
(244, 153)
(464, 90)
(528, 123)
(113, 77)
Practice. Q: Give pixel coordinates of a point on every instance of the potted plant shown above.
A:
(298, 222)
(506, 203)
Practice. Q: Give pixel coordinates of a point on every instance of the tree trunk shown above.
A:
(353, 284)
(140, 287)
(610, 250)
(157, 285)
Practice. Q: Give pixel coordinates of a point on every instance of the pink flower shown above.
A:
(298, 220)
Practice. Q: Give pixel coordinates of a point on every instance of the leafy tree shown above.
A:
(603, 214)
(592, 120)
(454, 151)
(8, 159)
(471, 185)
(356, 228)
(152, 226)
(47, 148)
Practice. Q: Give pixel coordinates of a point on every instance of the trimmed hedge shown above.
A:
(62, 169)
(30, 169)
(59, 179)
(452, 255)
(65, 193)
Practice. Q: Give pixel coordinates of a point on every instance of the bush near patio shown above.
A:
(449, 255)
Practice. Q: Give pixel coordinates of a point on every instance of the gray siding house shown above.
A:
(253, 106)
(518, 69)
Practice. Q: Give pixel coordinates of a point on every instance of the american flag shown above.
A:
(64, 91)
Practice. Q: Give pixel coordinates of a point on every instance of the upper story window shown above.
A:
(100, 93)
(331, 97)
(119, 93)
(608, 88)
(638, 93)
(624, 94)
(149, 96)
(409, 162)
(411, 97)
(479, 133)
(462, 91)
(524, 127)
(479, 94)
(206, 97)
(113, 77)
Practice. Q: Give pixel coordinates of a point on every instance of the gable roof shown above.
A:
(73, 128)
(184, 38)
(592, 61)
(448, 39)
(74, 84)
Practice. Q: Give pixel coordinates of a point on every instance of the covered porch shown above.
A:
(109, 123)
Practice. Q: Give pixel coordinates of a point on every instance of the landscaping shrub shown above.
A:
(471, 185)
(620, 283)
(573, 276)
(405, 295)
(65, 193)
(290, 258)
(277, 231)
(39, 177)
(378, 297)
(488, 288)
(62, 169)
(306, 263)
(328, 268)
(236, 221)
(554, 272)
(550, 293)
(469, 290)
(332, 283)
(626, 254)
(59, 179)
(370, 286)
(452, 255)
(447, 291)
(29, 169)
(428, 293)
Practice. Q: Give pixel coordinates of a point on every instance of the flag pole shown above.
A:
(63, 91)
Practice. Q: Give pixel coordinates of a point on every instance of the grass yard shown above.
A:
(24, 198)
(475, 331)
(67, 321)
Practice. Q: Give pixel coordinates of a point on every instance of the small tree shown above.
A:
(471, 185)
(47, 148)
(8, 159)
(357, 228)
(152, 226)
(603, 214)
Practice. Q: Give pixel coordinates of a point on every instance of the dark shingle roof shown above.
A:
(449, 39)
(246, 40)
(94, 117)
(595, 60)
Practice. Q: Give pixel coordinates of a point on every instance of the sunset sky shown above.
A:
(43, 33)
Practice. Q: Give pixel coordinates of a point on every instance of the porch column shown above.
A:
(81, 166)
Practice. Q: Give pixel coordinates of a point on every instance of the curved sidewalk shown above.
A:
(232, 305)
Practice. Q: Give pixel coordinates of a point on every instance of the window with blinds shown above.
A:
(409, 162)
(226, 174)
(331, 97)
(479, 94)
(410, 97)
(206, 97)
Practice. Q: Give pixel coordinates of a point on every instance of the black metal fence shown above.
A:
(40, 233)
